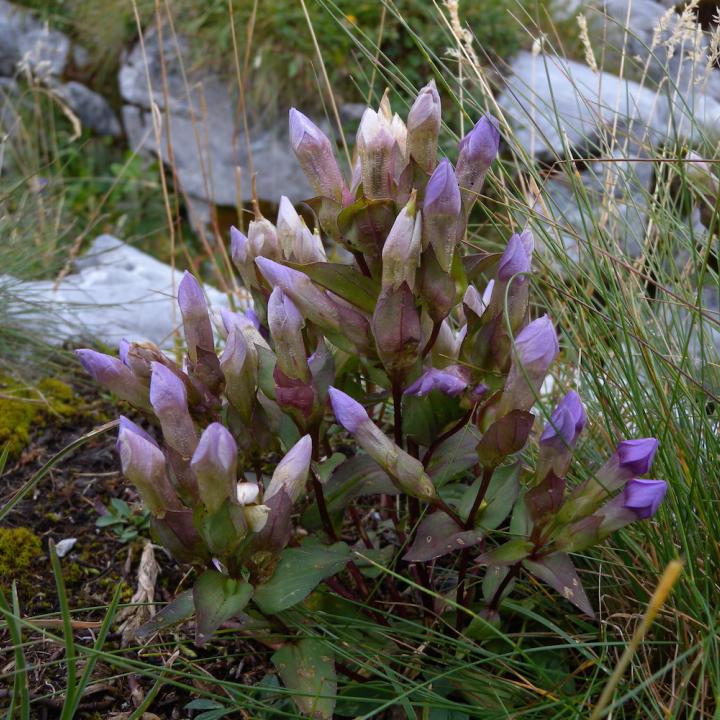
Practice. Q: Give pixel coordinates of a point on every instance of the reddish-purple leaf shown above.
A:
(558, 571)
(438, 535)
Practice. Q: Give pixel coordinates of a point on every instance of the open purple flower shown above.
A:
(451, 380)
(566, 422)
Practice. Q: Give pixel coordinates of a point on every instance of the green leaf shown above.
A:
(359, 475)
(558, 571)
(501, 494)
(343, 280)
(438, 535)
(217, 598)
(326, 468)
(176, 611)
(307, 668)
(477, 263)
(454, 457)
(506, 554)
(424, 418)
(298, 573)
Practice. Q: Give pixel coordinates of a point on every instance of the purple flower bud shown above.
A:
(348, 412)
(401, 251)
(406, 471)
(115, 376)
(423, 127)
(315, 153)
(536, 346)
(636, 456)
(478, 149)
(452, 381)
(169, 400)
(127, 425)
(441, 211)
(376, 147)
(291, 472)
(247, 492)
(473, 301)
(309, 248)
(239, 366)
(643, 497)
(214, 463)
(312, 302)
(566, 422)
(123, 348)
(243, 257)
(143, 464)
(289, 226)
(196, 321)
(514, 260)
(286, 324)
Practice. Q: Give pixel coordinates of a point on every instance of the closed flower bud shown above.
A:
(441, 210)
(256, 517)
(631, 458)
(286, 324)
(243, 257)
(143, 464)
(263, 239)
(116, 377)
(312, 302)
(406, 471)
(473, 302)
(196, 320)
(289, 227)
(310, 248)
(169, 401)
(437, 287)
(478, 150)
(315, 153)
(423, 127)
(401, 251)
(214, 463)
(513, 265)
(239, 366)
(130, 426)
(377, 151)
(292, 471)
(535, 348)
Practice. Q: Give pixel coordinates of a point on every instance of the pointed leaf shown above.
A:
(298, 573)
(438, 535)
(558, 571)
(308, 669)
(176, 611)
(506, 554)
(546, 498)
(476, 263)
(343, 280)
(217, 599)
(456, 455)
(505, 437)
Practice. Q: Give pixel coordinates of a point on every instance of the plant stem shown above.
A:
(482, 490)
(460, 593)
(431, 340)
(397, 412)
(512, 572)
(440, 439)
(318, 488)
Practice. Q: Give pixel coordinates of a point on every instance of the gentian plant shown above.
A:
(372, 412)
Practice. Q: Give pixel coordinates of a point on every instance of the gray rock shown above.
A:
(92, 109)
(116, 292)
(549, 100)
(205, 130)
(25, 41)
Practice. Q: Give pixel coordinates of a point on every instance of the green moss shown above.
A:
(23, 408)
(18, 548)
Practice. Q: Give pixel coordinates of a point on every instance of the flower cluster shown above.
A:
(328, 347)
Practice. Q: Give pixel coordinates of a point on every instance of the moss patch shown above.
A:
(19, 547)
(22, 409)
